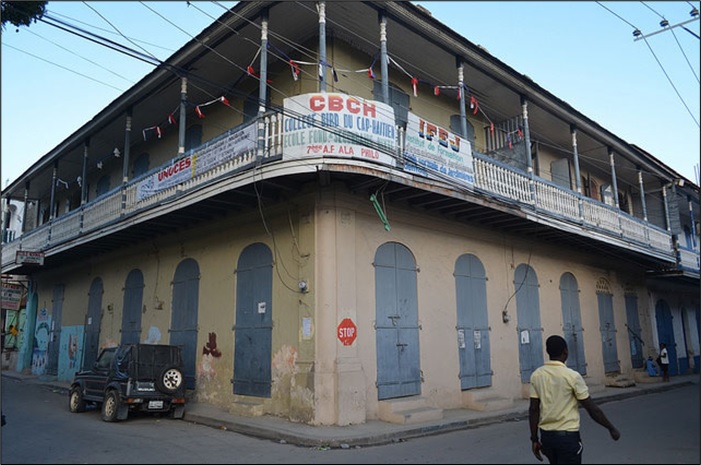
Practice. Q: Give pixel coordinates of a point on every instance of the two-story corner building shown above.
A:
(344, 209)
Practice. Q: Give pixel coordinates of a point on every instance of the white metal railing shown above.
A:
(490, 176)
(689, 258)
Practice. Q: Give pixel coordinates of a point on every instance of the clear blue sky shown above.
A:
(583, 52)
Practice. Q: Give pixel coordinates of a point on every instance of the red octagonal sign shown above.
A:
(347, 331)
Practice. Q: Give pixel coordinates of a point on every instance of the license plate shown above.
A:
(155, 404)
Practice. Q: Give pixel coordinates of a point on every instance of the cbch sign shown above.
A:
(347, 332)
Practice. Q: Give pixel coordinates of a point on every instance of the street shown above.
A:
(655, 428)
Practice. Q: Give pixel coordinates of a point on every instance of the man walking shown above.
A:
(556, 392)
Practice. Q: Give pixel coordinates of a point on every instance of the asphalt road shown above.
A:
(656, 428)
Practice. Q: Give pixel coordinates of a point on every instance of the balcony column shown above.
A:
(692, 230)
(84, 179)
(384, 59)
(642, 192)
(668, 223)
(461, 92)
(6, 219)
(578, 181)
(54, 178)
(125, 162)
(527, 147)
(614, 184)
(262, 85)
(322, 46)
(183, 115)
(23, 228)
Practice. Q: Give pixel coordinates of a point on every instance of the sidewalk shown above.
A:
(373, 432)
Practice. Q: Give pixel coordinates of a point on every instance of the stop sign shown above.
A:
(347, 331)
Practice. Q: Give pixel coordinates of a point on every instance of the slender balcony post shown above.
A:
(5, 219)
(54, 178)
(642, 193)
(384, 59)
(527, 147)
(125, 161)
(692, 231)
(578, 181)
(183, 116)
(461, 90)
(668, 223)
(614, 184)
(23, 228)
(322, 46)
(84, 178)
(262, 85)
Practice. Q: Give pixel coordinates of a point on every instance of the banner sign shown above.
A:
(26, 257)
(338, 125)
(435, 152)
(11, 296)
(211, 155)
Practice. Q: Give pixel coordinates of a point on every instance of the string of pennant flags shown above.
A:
(322, 66)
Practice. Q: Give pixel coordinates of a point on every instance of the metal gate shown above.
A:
(607, 327)
(530, 333)
(131, 312)
(55, 331)
(397, 322)
(634, 331)
(254, 322)
(183, 323)
(93, 320)
(473, 323)
(572, 323)
(665, 333)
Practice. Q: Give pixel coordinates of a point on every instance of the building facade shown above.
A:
(342, 210)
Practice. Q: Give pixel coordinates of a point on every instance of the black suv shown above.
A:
(137, 377)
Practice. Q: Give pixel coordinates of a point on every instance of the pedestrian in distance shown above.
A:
(664, 362)
(556, 393)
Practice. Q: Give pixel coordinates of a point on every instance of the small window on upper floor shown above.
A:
(456, 127)
(193, 137)
(140, 165)
(103, 186)
(398, 100)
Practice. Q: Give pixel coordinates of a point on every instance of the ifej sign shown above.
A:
(338, 125)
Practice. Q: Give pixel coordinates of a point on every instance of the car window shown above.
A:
(105, 359)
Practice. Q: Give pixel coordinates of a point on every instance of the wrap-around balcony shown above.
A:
(542, 201)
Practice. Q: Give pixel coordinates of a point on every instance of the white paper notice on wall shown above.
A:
(261, 307)
(306, 327)
(477, 339)
(525, 337)
(461, 338)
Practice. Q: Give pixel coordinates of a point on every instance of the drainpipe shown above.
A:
(578, 181)
(125, 164)
(613, 178)
(262, 86)
(527, 147)
(384, 59)
(461, 90)
(642, 192)
(183, 115)
(322, 46)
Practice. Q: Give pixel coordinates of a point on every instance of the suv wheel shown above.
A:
(110, 407)
(76, 403)
(170, 380)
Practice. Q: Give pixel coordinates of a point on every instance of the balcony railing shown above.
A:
(225, 158)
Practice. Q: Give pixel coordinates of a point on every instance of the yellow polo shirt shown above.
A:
(559, 389)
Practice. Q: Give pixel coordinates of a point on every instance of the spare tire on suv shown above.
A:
(132, 377)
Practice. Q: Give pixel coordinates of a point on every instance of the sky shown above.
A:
(645, 91)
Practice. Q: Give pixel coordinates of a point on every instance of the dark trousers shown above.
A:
(561, 446)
